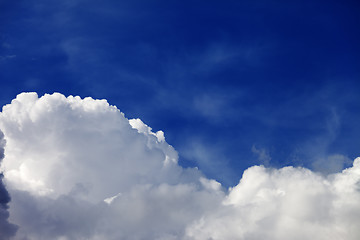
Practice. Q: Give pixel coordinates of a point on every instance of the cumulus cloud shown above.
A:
(7, 229)
(78, 169)
(287, 203)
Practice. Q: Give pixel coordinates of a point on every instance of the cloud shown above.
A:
(206, 155)
(4, 58)
(7, 229)
(67, 157)
(287, 203)
(216, 106)
(319, 150)
(262, 154)
(78, 169)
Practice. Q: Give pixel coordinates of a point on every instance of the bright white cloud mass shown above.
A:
(78, 169)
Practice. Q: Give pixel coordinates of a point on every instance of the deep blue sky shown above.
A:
(227, 81)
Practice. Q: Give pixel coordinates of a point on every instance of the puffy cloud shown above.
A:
(78, 169)
(287, 203)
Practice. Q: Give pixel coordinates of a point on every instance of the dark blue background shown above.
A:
(222, 79)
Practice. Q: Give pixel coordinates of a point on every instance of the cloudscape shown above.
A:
(79, 169)
(179, 120)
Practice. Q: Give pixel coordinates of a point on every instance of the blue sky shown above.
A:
(231, 83)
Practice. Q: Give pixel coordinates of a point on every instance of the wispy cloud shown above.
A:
(7, 57)
(262, 154)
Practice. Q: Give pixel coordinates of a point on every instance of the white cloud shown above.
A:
(66, 156)
(78, 169)
(287, 203)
